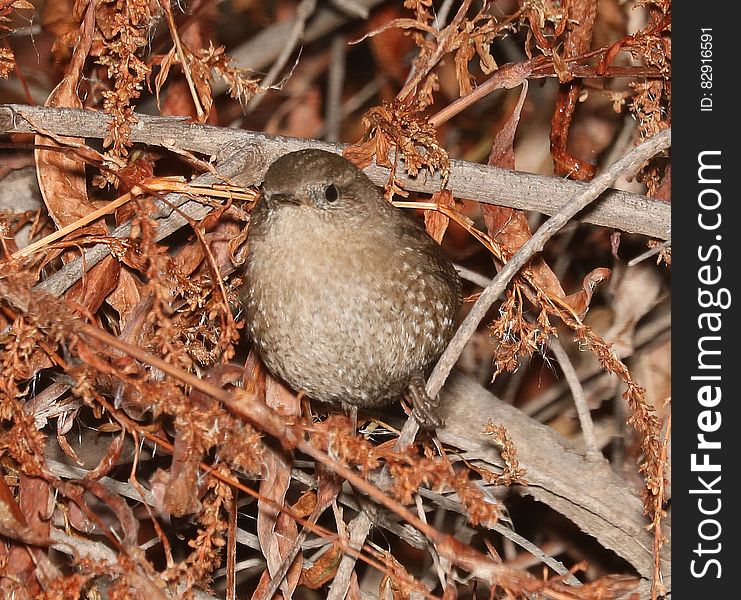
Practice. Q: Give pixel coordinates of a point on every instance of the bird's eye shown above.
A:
(330, 193)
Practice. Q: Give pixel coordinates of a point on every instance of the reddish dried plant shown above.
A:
(88, 362)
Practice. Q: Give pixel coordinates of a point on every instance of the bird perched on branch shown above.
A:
(346, 297)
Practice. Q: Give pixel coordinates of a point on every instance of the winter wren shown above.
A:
(346, 297)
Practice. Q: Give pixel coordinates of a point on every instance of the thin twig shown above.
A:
(335, 83)
(184, 65)
(473, 276)
(171, 221)
(285, 564)
(440, 19)
(630, 161)
(303, 12)
(441, 48)
(112, 206)
(449, 504)
(593, 376)
(231, 549)
(263, 49)
(580, 399)
(507, 76)
(358, 530)
(243, 405)
(658, 248)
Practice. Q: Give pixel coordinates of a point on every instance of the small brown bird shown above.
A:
(346, 298)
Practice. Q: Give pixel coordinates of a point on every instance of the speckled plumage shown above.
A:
(345, 296)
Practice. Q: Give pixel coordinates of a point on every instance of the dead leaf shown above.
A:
(361, 154)
(436, 222)
(329, 484)
(62, 181)
(111, 500)
(276, 531)
(19, 579)
(182, 493)
(323, 570)
(78, 519)
(110, 460)
(581, 17)
(188, 258)
(126, 296)
(95, 285)
(61, 174)
(580, 300)
(664, 189)
(635, 291)
(508, 227)
(353, 591)
(391, 586)
(463, 56)
(13, 523)
(305, 505)
(502, 149)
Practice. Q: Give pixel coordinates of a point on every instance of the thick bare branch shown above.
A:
(525, 191)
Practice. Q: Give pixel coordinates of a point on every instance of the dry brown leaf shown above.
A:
(508, 226)
(166, 64)
(329, 484)
(664, 190)
(305, 505)
(635, 291)
(403, 127)
(221, 236)
(323, 570)
(125, 297)
(111, 458)
(179, 99)
(181, 495)
(436, 222)
(39, 359)
(111, 500)
(62, 181)
(188, 258)
(13, 523)
(275, 530)
(19, 579)
(353, 591)
(78, 519)
(361, 154)
(394, 587)
(463, 56)
(61, 174)
(580, 300)
(96, 285)
(502, 149)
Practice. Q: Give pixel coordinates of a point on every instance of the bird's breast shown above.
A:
(340, 313)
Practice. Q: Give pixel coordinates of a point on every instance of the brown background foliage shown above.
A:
(144, 450)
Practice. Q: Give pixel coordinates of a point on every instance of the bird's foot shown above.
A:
(425, 409)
